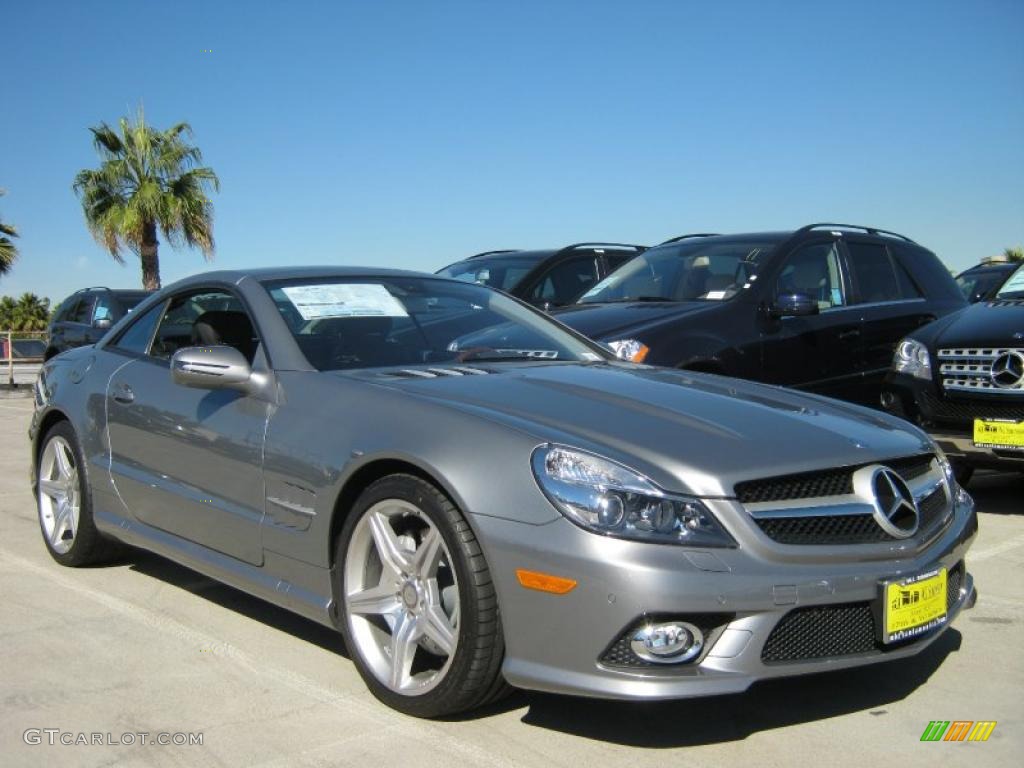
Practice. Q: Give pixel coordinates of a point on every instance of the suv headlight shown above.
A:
(605, 497)
(912, 358)
(629, 349)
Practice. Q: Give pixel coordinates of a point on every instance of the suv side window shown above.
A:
(82, 312)
(877, 275)
(568, 281)
(813, 270)
(202, 317)
(137, 336)
(65, 310)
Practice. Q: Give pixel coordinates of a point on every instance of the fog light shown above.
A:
(671, 642)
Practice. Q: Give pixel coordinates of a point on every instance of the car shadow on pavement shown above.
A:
(233, 599)
(765, 706)
(998, 493)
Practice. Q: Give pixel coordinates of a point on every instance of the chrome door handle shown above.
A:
(123, 394)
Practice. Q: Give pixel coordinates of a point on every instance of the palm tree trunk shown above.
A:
(150, 260)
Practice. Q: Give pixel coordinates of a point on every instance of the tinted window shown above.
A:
(348, 323)
(129, 301)
(504, 273)
(813, 270)
(65, 309)
(208, 316)
(566, 282)
(616, 259)
(874, 272)
(696, 270)
(137, 336)
(82, 311)
(1013, 288)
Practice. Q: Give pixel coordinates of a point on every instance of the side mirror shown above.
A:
(102, 323)
(794, 305)
(216, 367)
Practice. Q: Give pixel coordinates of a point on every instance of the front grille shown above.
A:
(961, 414)
(969, 369)
(844, 529)
(826, 482)
(828, 631)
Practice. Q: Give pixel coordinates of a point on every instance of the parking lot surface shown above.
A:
(146, 646)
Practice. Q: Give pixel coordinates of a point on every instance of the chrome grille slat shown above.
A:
(969, 369)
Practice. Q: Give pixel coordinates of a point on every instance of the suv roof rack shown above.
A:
(494, 253)
(687, 237)
(93, 288)
(869, 230)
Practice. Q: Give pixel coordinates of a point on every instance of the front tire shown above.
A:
(64, 501)
(419, 611)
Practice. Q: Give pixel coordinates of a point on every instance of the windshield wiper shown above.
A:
(630, 299)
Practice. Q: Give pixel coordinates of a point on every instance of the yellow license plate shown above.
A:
(999, 433)
(914, 605)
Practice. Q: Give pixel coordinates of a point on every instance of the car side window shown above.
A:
(877, 275)
(137, 336)
(566, 282)
(204, 317)
(82, 312)
(103, 309)
(813, 270)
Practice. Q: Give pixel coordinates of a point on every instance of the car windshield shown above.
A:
(696, 270)
(503, 272)
(351, 323)
(1013, 288)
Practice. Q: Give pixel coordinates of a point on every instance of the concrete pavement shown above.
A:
(144, 645)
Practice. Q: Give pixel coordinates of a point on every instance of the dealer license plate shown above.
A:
(999, 433)
(914, 605)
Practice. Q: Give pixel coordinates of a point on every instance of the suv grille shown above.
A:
(969, 369)
(827, 482)
(844, 529)
(961, 414)
(827, 631)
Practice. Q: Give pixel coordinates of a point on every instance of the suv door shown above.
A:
(565, 281)
(821, 352)
(78, 322)
(189, 461)
(891, 305)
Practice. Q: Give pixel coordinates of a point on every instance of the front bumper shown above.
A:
(558, 643)
(950, 421)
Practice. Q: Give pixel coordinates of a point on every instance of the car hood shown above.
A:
(607, 322)
(691, 433)
(987, 323)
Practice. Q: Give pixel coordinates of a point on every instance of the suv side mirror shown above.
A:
(793, 305)
(216, 367)
(102, 323)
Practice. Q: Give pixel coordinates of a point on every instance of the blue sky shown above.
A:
(411, 134)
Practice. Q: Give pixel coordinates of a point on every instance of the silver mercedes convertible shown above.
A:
(477, 497)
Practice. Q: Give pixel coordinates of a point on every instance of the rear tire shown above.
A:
(64, 501)
(419, 613)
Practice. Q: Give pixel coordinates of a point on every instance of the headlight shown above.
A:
(630, 349)
(605, 497)
(912, 358)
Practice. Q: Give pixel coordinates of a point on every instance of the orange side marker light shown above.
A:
(545, 582)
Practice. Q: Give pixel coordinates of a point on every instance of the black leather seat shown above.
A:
(231, 328)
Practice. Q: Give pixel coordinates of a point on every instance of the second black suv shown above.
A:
(545, 278)
(981, 281)
(820, 308)
(86, 315)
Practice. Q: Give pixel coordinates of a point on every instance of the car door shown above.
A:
(189, 461)
(820, 352)
(890, 304)
(78, 322)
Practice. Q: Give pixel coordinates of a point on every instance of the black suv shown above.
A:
(982, 281)
(86, 315)
(962, 379)
(820, 308)
(546, 278)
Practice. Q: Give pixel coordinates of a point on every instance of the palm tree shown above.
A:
(30, 313)
(1014, 254)
(147, 180)
(8, 250)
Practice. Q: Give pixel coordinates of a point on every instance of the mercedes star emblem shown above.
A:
(1008, 370)
(895, 509)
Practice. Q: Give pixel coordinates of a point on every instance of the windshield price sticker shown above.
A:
(315, 302)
